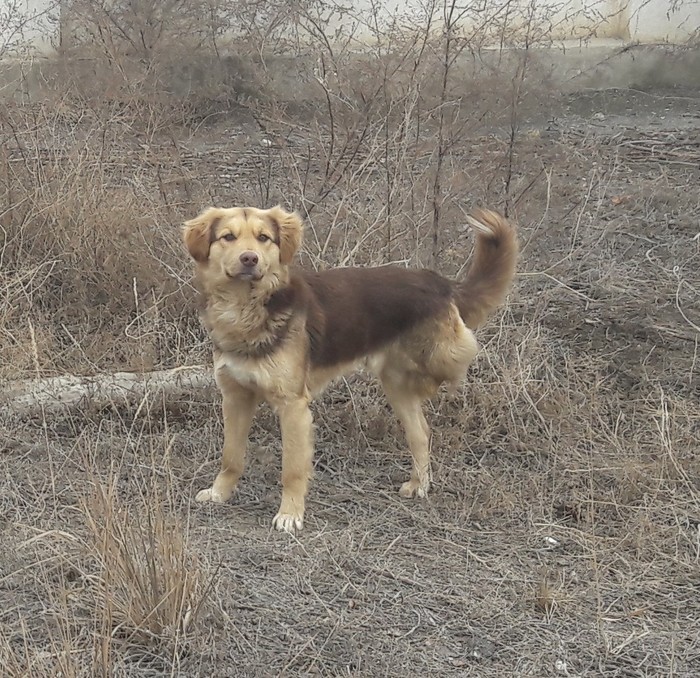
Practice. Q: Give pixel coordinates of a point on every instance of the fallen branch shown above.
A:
(30, 397)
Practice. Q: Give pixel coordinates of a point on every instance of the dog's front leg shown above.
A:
(297, 462)
(239, 406)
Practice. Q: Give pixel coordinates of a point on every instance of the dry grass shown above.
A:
(150, 585)
(79, 211)
(118, 584)
(561, 537)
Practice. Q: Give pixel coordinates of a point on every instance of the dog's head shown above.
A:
(243, 244)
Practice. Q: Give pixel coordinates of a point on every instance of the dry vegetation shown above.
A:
(562, 536)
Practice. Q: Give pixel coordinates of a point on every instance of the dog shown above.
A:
(281, 334)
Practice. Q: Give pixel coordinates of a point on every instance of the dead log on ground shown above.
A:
(32, 397)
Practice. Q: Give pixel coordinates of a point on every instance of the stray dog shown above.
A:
(281, 335)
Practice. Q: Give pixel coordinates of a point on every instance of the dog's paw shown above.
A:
(210, 494)
(414, 488)
(286, 522)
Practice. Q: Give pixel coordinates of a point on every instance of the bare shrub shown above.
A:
(22, 23)
(89, 251)
(204, 55)
(381, 164)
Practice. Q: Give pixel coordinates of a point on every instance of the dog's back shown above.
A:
(360, 310)
(357, 311)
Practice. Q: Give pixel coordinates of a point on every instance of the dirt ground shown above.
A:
(562, 534)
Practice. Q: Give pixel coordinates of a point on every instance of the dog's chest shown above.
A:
(248, 334)
(233, 331)
(252, 374)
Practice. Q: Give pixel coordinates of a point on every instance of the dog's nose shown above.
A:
(249, 259)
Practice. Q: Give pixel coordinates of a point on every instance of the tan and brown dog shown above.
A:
(281, 335)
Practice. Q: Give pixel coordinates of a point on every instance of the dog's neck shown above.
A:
(245, 318)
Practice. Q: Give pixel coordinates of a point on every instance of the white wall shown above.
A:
(663, 20)
(646, 21)
(28, 25)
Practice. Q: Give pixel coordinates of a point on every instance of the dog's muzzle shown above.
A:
(248, 267)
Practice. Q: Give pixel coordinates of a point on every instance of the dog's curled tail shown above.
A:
(492, 268)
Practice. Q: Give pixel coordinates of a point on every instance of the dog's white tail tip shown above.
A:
(480, 226)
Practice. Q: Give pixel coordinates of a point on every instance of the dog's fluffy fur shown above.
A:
(281, 334)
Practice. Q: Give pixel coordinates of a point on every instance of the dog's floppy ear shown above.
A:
(198, 233)
(290, 229)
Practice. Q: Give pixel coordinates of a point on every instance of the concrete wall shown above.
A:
(28, 26)
(35, 22)
(651, 21)
(646, 21)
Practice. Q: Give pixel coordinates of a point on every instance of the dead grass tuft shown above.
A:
(128, 590)
(151, 585)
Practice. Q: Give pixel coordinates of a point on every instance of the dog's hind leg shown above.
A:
(239, 406)
(408, 408)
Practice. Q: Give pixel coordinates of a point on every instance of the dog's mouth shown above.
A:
(248, 275)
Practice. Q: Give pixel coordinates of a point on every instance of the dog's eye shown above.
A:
(263, 238)
(229, 237)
